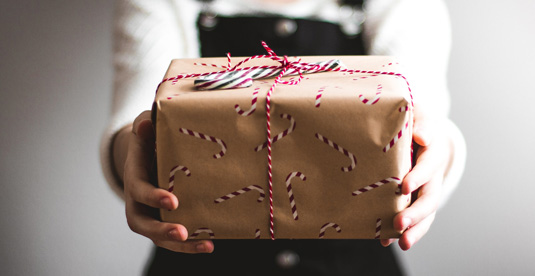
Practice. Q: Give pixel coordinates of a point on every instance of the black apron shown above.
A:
(241, 36)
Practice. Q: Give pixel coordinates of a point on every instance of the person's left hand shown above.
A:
(433, 154)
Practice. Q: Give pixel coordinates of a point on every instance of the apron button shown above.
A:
(285, 27)
(208, 21)
(287, 259)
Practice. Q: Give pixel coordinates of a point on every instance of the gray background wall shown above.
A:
(58, 217)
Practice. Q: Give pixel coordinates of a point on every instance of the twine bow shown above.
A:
(235, 77)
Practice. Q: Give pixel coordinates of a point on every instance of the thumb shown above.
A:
(423, 133)
(142, 127)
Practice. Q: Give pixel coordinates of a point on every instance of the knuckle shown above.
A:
(131, 224)
(157, 242)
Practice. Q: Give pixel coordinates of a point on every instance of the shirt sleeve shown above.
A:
(418, 34)
(147, 35)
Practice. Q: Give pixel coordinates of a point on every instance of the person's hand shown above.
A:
(433, 154)
(143, 199)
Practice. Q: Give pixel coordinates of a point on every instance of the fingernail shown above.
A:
(165, 203)
(200, 247)
(173, 234)
(405, 223)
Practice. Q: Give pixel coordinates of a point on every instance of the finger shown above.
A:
(200, 246)
(137, 176)
(424, 125)
(412, 235)
(387, 242)
(426, 204)
(168, 235)
(147, 194)
(143, 116)
(429, 161)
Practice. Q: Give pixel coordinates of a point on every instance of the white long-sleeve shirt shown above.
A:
(148, 34)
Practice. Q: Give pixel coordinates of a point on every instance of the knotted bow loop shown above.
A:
(236, 77)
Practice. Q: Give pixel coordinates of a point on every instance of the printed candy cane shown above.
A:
(365, 77)
(374, 100)
(340, 149)
(377, 185)
(257, 234)
(171, 97)
(390, 64)
(253, 105)
(290, 191)
(378, 228)
(172, 175)
(242, 191)
(404, 108)
(327, 225)
(209, 138)
(280, 135)
(396, 138)
(202, 230)
(320, 94)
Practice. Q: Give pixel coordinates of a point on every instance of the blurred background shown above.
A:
(58, 216)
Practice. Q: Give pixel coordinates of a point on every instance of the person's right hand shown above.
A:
(141, 197)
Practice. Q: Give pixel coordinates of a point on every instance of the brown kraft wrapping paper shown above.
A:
(327, 151)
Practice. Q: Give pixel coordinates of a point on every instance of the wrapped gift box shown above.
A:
(341, 144)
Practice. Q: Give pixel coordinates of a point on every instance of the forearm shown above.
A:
(119, 151)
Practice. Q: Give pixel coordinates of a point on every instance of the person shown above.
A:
(148, 34)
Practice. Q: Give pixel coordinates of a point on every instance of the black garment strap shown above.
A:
(241, 36)
(342, 2)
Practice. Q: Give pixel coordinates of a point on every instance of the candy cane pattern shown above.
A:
(340, 149)
(290, 191)
(280, 135)
(378, 228)
(396, 138)
(365, 77)
(202, 230)
(253, 105)
(172, 175)
(257, 234)
(242, 191)
(171, 97)
(404, 108)
(374, 100)
(320, 94)
(208, 138)
(327, 225)
(377, 185)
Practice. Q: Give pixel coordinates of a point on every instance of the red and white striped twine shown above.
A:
(242, 191)
(377, 185)
(340, 149)
(280, 135)
(208, 138)
(172, 175)
(329, 225)
(290, 191)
